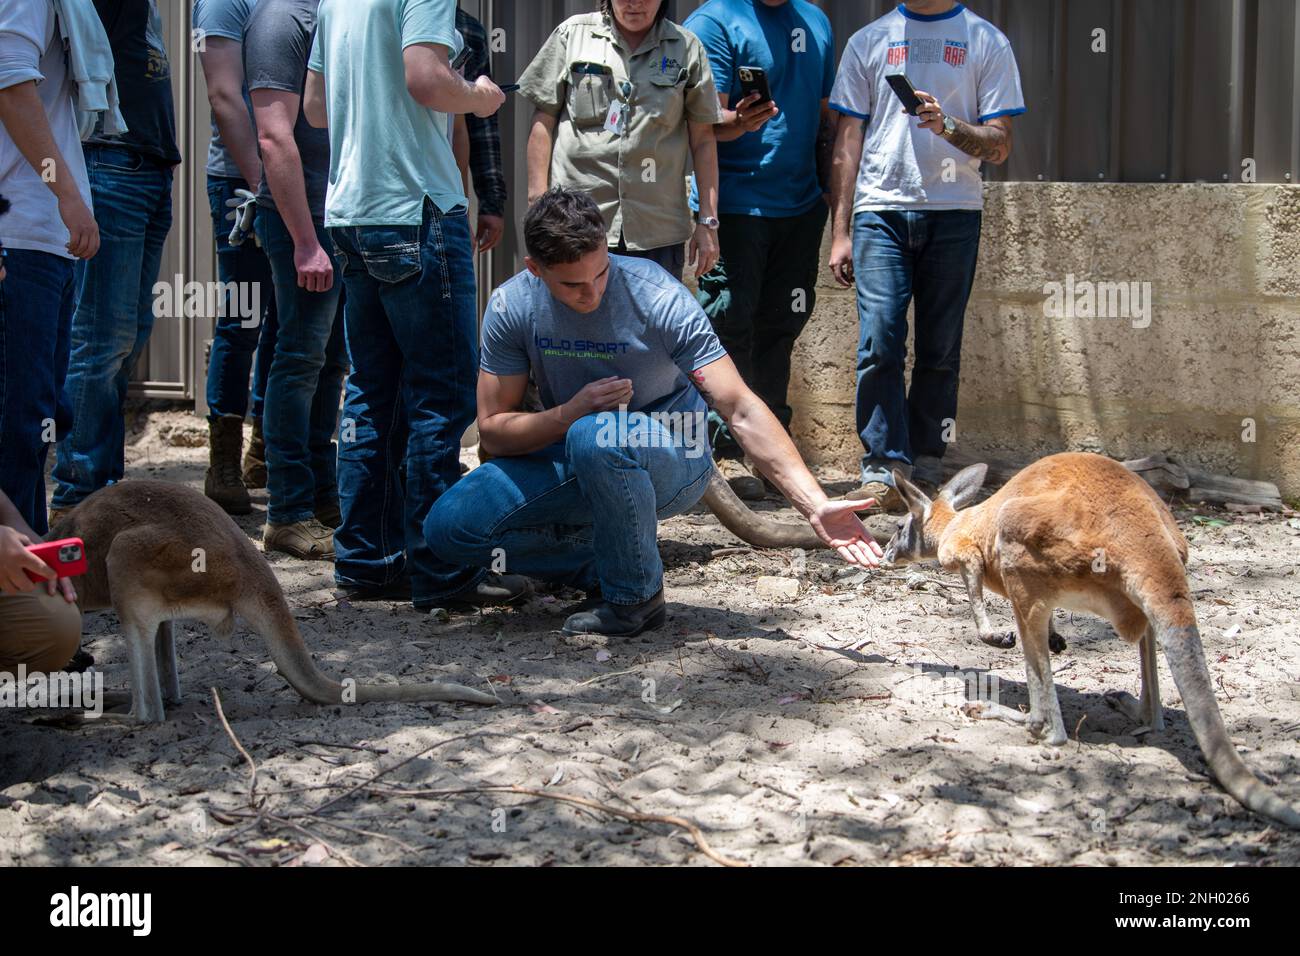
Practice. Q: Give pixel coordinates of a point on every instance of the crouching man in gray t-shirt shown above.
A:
(626, 365)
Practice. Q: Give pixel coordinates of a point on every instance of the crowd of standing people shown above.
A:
(345, 136)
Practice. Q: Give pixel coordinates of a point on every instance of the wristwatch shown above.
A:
(708, 222)
(949, 126)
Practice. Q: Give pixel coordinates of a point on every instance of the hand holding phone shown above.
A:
(905, 92)
(66, 558)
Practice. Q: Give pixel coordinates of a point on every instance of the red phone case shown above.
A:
(66, 557)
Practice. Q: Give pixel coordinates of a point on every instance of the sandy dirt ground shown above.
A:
(819, 728)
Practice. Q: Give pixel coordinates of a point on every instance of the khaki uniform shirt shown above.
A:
(637, 178)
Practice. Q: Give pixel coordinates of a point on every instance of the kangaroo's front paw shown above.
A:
(1004, 640)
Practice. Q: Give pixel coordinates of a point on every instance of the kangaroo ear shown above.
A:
(915, 499)
(964, 486)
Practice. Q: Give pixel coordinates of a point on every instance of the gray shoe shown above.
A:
(619, 620)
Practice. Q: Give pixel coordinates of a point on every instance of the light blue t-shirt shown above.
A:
(225, 19)
(387, 152)
(772, 171)
(648, 328)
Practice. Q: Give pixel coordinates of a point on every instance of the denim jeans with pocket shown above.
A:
(412, 335)
(582, 512)
(303, 389)
(238, 344)
(36, 302)
(926, 258)
(114, 316)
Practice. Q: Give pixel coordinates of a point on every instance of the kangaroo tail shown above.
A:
(270, 616)
(760, 531)
(1174, 623)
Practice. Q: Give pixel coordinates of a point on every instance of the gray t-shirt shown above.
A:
(225, 19)
(648, 329)
(277, 43)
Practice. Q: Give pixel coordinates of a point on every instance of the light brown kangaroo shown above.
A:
(161, 552)
(1081, 532)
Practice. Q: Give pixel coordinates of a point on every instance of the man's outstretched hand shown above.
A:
(837, 524)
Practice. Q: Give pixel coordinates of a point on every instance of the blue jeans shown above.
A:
(412, 333)
(114, 317)
(901, 257)
(581, 512)
(233, 342)
(305, 384)
(36, 302)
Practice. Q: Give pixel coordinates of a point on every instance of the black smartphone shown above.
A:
(462, 58)
(905, 91)
(753, 79)
(510, 88)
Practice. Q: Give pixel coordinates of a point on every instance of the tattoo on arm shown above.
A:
(697, 379)
(825, 151)
(992, 144)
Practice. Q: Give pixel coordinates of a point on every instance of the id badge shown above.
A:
(616, 121)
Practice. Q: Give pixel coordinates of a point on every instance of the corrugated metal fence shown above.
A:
(1117, 90)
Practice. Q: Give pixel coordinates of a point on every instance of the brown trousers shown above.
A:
(38, 630)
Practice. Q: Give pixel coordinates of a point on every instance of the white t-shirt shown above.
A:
(961, 60)
(31, 49)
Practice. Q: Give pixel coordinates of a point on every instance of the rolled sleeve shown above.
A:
(20, 60)
(702, 104)
(546, 81)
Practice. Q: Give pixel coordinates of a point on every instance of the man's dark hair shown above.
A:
(607, 8)
(563, 226)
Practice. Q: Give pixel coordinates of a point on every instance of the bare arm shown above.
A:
(223, 68)
(277, 114)
(23, 117)
(704, 248)
(541, 140)
(745, 118)
(826, 145)
(505, 431)
(989, 142)
(844, 180)
(769, 445)
(433, 83)
(314, 101)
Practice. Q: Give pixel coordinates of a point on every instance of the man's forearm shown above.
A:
(991, 144)
(238, 135)
(826, 148)
(510, 434)
(844, 176)
(284, 177)
(763, 439)
(23, 116)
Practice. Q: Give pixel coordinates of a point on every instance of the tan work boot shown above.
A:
(255, 459)
(223, 483)
(741, 479)
(887, 497)
(309, 540)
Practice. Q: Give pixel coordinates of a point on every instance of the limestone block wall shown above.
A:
(1210, 371)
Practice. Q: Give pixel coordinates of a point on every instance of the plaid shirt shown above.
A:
(484, 134)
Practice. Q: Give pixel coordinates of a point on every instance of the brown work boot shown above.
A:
(223, 483)
(741, 479)
(255, 459)
(309, 540)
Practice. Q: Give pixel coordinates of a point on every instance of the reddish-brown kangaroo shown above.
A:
(161, 552)
(1083, 533)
